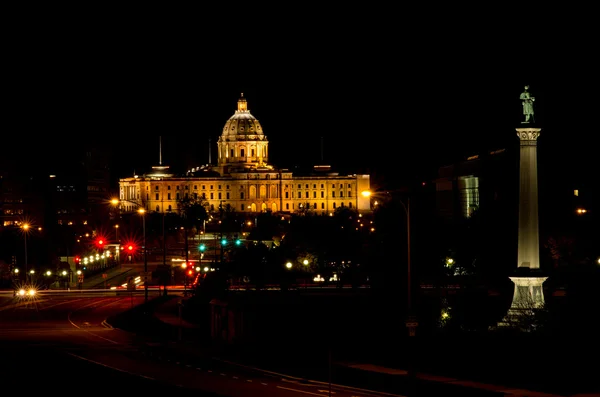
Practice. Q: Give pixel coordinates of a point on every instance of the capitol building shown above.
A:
(244, 181)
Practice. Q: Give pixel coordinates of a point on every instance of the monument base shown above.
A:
(527, 297)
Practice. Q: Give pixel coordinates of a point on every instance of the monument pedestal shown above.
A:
(527, 297)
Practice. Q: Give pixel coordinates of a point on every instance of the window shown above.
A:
(156, 188)
(157, 194)
(168, 196)
(322, 206)
(231, 153)
(195, 187)
(242, 195)
(333, 194)
(169, 187)
(333, 186)
(242, 152)
(219, 187)
(333, 205)
(306, 186)
(220, 196)
(299, 186)
(212, 196)
(195, 196)
(341, 193)
(322, 194)
(322, 186)
(227, 195)
(315, 186)
(157, 208)
(314, 194)
(306, 194)
(203, 187)
(287, 194)
(170, 208)
(287, 206)
(177, 196)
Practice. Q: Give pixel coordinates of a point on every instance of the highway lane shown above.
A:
(67, 337)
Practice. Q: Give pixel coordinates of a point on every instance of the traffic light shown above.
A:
(238, 241)
(100, 242)
(224, 241)
(202, 247)
(130, 248)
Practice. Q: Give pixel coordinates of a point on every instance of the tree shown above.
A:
(193, 210)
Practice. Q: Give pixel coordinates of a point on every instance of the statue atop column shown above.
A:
(527, 101)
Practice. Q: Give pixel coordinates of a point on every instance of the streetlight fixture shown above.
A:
(411, 321)
(25, 228)
(142, 212)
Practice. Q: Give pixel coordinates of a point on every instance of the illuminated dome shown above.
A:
(242, 143)
(242, 125)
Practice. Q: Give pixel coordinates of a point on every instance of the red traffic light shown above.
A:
(130, 248)
(100, 242)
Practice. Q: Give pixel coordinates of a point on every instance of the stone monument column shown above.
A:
(528, 288)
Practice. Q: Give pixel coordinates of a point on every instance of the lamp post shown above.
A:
(411, 321)
(25, 231)
(143, 213)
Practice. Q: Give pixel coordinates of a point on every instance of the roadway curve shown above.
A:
(60, 342)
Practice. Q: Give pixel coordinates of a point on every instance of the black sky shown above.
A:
(377, 97)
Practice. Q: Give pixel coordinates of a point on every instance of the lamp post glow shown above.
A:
(25, 231)
(143, 213)
(411, 321)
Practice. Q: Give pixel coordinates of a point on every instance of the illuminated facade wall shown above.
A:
(244, 181)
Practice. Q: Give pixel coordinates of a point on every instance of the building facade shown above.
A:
(244, 181)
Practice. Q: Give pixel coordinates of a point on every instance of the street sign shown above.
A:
(104, 275)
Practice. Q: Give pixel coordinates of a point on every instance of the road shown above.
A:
(62, 342)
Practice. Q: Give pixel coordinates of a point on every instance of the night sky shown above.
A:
(380, 99)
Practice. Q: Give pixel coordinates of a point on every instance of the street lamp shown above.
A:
(25, 231)
(411, 322)
(142, 212)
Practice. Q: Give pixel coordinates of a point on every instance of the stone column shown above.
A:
(528, 289)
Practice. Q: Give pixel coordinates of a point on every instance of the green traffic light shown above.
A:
(238, 241)
(202, 247)
(224, 241)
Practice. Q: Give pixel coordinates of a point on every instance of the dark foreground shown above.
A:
(564, 367)
(28, 369)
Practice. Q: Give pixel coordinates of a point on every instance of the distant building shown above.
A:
(58, 203)
(244, 181)
(481, 180)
